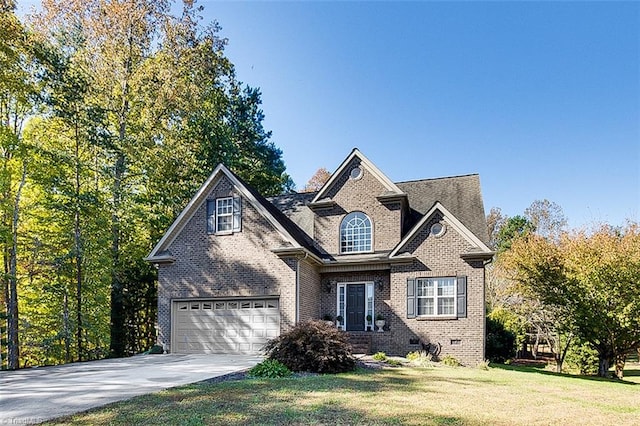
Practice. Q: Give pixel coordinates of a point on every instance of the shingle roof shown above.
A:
(294, 206)
(287, 222)
(461, 195)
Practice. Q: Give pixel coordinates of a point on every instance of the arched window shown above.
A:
(355, 233)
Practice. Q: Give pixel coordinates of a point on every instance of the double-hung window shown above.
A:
(224, 215)
(436, 296)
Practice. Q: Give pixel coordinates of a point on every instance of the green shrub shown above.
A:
(270, 368)
(394, 362)
(500, 342)
(379, 356)
(451, 361)
(582, 358)
(313, 346)
(512, 322)
(156, 349)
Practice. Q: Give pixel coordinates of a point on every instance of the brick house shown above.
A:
(236, 269)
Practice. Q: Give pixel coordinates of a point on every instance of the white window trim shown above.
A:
(435, 298)
(218, 215)
(341, 250)
(369, 289)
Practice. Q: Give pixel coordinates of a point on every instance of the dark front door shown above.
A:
(355, 307)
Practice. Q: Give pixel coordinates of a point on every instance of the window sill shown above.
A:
(347, 253)
(438, 318)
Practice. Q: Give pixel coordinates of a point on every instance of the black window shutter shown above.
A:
(462, 296)
(211, 216)
(237, 214)
(411, 298)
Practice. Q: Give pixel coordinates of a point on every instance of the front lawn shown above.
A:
(413, 396)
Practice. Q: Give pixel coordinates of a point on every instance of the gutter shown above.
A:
(157, 260)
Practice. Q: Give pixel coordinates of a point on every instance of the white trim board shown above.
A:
(451, 220)
(188, 212)
(368, 165)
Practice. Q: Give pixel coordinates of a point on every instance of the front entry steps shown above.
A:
(360, 343)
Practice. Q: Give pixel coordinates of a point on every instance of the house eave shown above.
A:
(160, 260)
(478, 255)
(363, 263)
(296, 252)
(322, 204)
(392, 198)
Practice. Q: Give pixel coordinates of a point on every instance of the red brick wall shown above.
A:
(240, 264)
(358, 195)
(440, 257)
(309, 292)
(380, 295)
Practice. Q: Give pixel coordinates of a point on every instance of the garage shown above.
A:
(224, 326)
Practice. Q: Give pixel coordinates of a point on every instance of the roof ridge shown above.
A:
(438, 178)
(292, 194)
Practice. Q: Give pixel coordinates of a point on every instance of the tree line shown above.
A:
(112, 113)
(578, 292)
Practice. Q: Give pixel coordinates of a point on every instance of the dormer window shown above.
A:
(355, 233)
(224, 215)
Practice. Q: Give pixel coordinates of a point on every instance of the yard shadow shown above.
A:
(270, 401)
(541, 370)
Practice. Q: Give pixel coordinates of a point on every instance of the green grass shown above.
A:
(501, 395)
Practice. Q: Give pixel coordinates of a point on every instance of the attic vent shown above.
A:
(356, 173)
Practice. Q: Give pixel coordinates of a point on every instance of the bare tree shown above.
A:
(547, 218)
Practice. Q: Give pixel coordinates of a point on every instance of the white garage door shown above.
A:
(224, 326)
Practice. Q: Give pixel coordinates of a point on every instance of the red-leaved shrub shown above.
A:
(313, 346)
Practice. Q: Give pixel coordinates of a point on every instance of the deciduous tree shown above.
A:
(319, 178)
(547, 218)
(19, 97)
(593, 281)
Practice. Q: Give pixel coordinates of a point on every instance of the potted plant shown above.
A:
(339, 321)
(328, 319)
(380, 322)
(369, 322)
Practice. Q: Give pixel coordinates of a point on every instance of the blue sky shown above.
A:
(542, 99)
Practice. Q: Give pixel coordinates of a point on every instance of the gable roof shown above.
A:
(295, 207)
(289, 230)
(371, 168)
(461, 195)
(477, 246)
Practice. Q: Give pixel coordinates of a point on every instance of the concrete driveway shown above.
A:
(38, 394)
